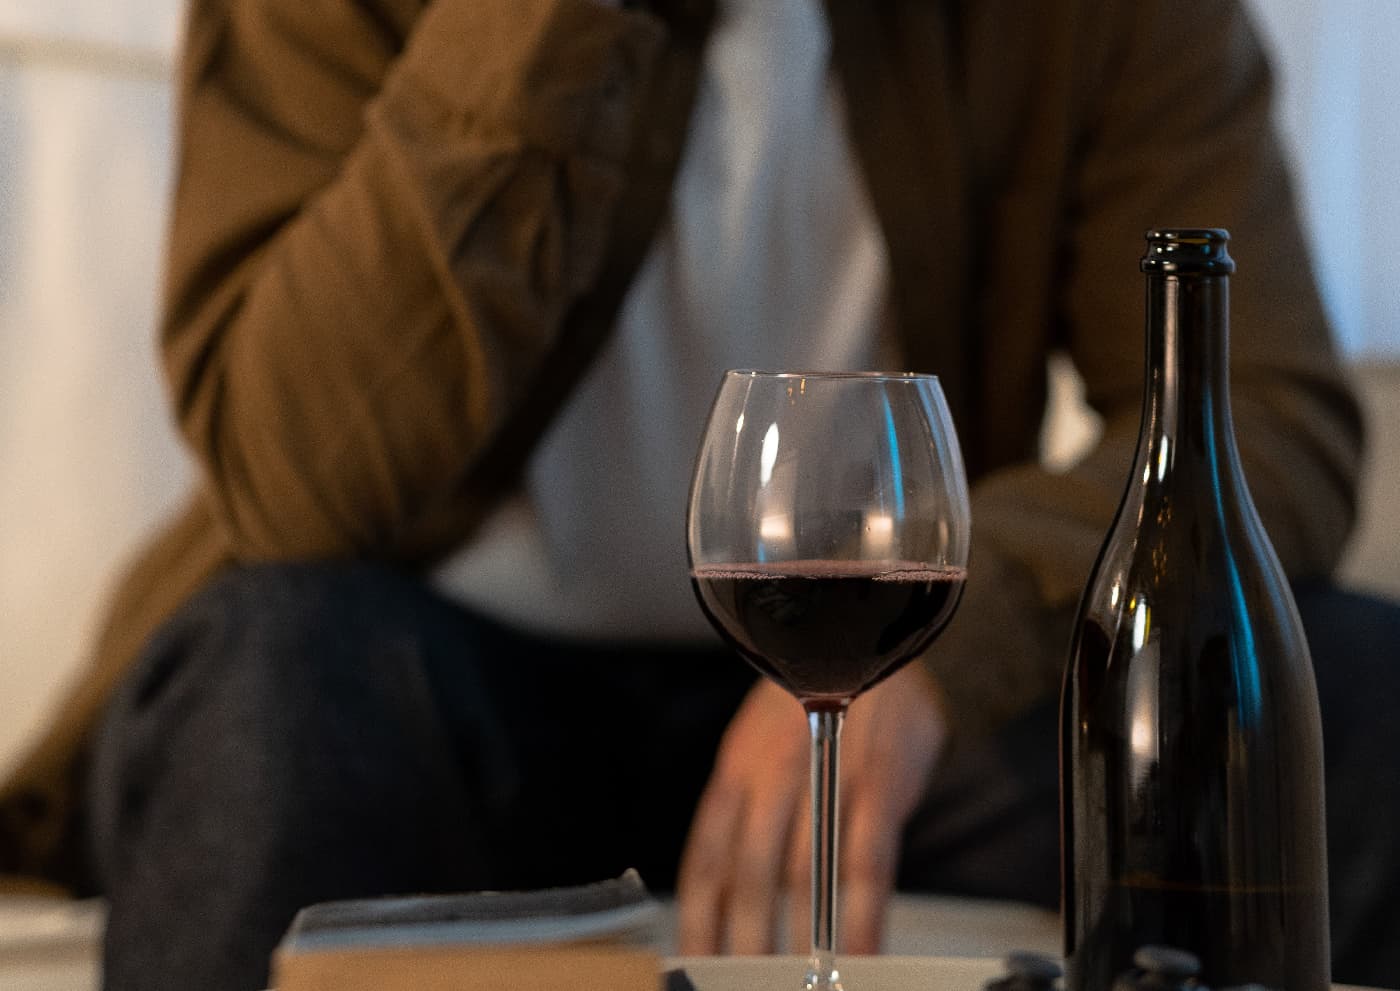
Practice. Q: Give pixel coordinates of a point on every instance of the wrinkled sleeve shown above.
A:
(382, 212)
(1177, 131)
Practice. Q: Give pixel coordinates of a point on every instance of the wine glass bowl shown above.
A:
(828, 532)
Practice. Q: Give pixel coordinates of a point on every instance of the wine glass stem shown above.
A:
(825, 724)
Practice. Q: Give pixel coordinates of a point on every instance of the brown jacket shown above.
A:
(402, 228)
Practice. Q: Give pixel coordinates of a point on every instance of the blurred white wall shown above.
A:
(88, 461)
(1339, 87)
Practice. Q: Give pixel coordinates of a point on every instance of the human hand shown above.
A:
(749, 854)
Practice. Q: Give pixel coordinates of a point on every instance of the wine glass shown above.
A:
(828, 532)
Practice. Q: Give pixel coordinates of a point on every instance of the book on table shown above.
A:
(596, 936)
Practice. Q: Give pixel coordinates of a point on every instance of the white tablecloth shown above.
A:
(886, 973)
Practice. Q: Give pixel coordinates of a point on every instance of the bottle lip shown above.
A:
(1187, 251)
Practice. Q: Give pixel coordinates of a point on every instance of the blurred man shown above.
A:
(450, 286)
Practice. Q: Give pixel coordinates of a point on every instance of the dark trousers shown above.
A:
(298, 733)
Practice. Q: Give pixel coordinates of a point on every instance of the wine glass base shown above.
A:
(817, 981)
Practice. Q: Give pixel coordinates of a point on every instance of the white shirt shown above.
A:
(770, 258)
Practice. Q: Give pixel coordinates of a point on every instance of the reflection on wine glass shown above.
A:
(828, 533)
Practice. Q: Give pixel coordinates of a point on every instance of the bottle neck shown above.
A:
(1187, 412)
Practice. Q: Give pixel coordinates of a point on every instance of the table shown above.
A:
(884, 973)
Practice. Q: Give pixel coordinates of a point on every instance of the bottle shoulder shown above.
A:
(1180, 565)
(1181, 525)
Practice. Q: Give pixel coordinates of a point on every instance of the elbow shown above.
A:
(270, 513)
(268, 484)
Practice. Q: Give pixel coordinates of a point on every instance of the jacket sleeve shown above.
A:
(382, 212)
(1175, 129)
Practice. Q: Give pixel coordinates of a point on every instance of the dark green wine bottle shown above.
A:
(1191, 750)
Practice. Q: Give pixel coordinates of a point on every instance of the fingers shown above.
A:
(867, 864)
(733, 866)
(896, 734)
(869, 859)
(755, 900)
(797, 880)
(704, 863)
(748, 865)
(749, 853)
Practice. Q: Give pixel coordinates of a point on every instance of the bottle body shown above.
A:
(1192, 746)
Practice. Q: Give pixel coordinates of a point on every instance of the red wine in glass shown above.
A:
(828, 630)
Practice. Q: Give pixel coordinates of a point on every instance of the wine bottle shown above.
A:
(1191, 748)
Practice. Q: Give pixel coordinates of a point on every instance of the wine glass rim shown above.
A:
(875, 376)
